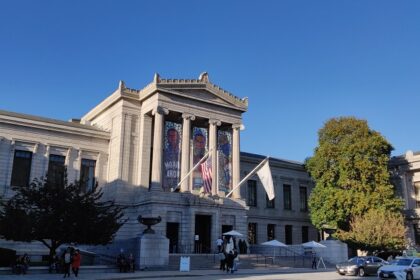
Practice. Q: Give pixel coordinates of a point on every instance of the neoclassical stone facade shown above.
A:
(140, 144)
(406, 177)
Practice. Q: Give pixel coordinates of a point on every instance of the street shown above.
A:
(246, 274)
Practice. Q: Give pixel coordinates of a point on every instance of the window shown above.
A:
(269, 203)
(416, 228)
(87, 174)
(417, 194)
(305, 234)
(21, 168)
(271, 232)
(303, 199)
(287, 197)
(252, 233)
(56, 170)
(289, 233)
(252, 193)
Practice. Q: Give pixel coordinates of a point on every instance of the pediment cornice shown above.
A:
(181, 86)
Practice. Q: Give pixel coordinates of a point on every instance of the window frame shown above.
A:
(54, 166)
(303, 198)
(252, 233)
(19, 178)
(287, 197)
(85, 184)
(252, 193)
(271, 228)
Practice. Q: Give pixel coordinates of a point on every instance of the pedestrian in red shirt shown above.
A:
(75, 264)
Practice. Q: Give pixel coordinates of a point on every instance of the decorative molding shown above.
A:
(215, 122)
(188, 116)
(36, 147)
(204, 77)
(160, 110)
(12, 145)
(121, 85)
(156, 78)
(47, 149)
(237, 126)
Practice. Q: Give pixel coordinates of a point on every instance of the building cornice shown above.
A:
(172, 85)
(274, 162)
(25, 120)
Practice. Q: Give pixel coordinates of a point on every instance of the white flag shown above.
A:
(265, 176)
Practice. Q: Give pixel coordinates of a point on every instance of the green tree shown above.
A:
(56, 214)
(350, 168)
(376, 230)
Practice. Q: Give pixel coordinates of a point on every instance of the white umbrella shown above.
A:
(313, 244)
(274, 243)
(233, 233)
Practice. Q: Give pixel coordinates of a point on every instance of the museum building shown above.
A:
(149, 149)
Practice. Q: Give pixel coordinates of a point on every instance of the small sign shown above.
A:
(184, 264)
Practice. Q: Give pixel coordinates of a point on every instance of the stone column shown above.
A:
(125, 147)
(236, 160)
(159, 114)
(213, 147)
(145, 143)
(185, 156)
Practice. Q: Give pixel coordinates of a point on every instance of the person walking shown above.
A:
(76, 260)
(314, 260)
(67, 262)
(219, 243)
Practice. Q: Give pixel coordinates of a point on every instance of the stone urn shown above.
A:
(149, 222)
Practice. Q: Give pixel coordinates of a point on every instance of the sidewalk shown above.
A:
(159, 274)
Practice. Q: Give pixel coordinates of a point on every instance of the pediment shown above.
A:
(198, 89)
(202, 95)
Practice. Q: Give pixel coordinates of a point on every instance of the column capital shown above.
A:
(215, 122)
(160, 110)
(237, 126)
(188, 116)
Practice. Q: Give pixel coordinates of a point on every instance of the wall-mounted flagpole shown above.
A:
(248, 176)
(192, 169)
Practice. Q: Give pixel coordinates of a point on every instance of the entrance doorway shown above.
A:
(172, 230)
(226, 228)
(202, 240)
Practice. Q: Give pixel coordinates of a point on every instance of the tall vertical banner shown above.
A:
(171, 155)
(224, 148)
(199, 142)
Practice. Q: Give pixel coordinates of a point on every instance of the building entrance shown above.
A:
(226, 228)
(172, 230)
(202, 238)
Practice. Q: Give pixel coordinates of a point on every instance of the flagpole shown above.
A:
(248, 176)
(192, 169)
(217, 172)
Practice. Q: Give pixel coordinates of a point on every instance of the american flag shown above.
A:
(206, 174)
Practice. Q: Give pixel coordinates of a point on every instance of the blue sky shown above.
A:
(300, 63)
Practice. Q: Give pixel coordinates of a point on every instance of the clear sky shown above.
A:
(299, 62)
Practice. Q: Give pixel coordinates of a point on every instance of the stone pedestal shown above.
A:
(153, 251)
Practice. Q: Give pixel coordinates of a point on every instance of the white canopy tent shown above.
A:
(275, 244)
(312, 245)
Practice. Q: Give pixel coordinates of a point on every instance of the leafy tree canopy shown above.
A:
(376, 230)
(350, 168)
(55, 214)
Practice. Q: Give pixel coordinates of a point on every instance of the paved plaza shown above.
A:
(254, 274)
